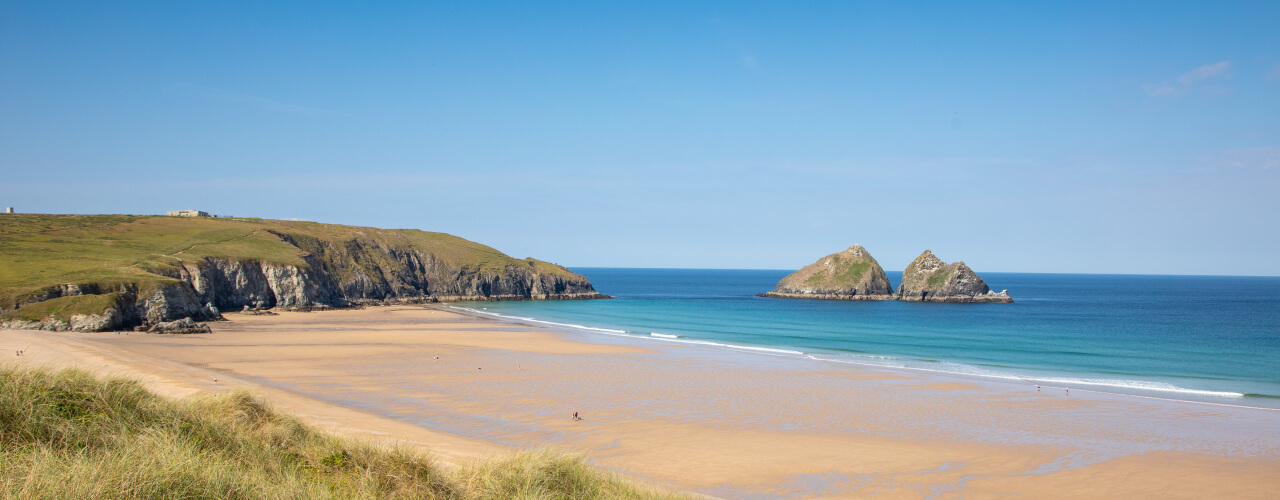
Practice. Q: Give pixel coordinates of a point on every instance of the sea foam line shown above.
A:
(624, 333)
(967, 370)
(532, 320)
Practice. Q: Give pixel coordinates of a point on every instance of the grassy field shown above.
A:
(109, 251)
(69, 435)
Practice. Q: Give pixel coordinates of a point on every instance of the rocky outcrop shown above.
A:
(929, 279)
(184, 325)
(849, 275)
(127, 308)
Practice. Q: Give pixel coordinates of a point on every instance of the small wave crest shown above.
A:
(541, 322)
(1141, 385)
(624, 333)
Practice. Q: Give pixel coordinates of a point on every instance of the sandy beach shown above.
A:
(724, 423)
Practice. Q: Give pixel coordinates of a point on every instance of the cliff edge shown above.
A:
(108, 272)
(849, 275)
(929, 279)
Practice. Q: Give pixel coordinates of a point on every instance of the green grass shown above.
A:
(39, 251)
(855, 272)
(63, 308)
(939, 277)
(845, 272)
(69, 435)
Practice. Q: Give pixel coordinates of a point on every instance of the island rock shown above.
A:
(928, 279)
(849, 275)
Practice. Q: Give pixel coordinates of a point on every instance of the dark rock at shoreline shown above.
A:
(184, 325)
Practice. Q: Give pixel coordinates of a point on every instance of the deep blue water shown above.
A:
(1207, 338)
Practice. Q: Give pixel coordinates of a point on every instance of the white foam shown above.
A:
(1139, 385)
(531, 320)
(665, 336)
(973, 371)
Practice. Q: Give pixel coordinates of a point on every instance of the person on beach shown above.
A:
(575, 416)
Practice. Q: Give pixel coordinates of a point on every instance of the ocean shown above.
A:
(1213, 339)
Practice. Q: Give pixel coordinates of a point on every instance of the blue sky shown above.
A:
(1086, 137)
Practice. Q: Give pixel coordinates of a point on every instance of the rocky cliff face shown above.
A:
(849, 275)
(123, 306)
(929, 279)
(335, 274)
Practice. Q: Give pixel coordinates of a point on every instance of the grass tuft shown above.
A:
(66, 434)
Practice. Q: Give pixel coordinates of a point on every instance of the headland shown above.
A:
(166, 273)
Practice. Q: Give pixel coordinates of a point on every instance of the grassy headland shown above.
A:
(103, 254)
(67, 434)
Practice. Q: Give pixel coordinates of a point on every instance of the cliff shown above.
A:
(95, 273)
(928, 279)
(849, 275)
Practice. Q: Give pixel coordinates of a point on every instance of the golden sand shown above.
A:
(725, 427)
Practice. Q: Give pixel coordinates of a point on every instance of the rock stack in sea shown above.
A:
(849, 275)
(929, 279)
(855, 275)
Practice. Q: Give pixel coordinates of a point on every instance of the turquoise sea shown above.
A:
(1211, 339)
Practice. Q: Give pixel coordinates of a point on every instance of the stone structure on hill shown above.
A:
(849, 275)
(929, 279)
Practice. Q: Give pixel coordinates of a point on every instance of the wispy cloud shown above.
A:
(1192, 80)
(258, 101)
(1257, 158)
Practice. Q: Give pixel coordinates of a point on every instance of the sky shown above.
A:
(1087, 137)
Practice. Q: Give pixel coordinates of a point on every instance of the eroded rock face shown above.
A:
(849, 275)
(929, 279)
(335, 276)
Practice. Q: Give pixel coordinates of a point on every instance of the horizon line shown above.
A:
(985, 272)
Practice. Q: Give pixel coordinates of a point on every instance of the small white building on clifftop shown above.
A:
(188, 213)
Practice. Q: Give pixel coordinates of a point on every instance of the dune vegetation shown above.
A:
(67, 434)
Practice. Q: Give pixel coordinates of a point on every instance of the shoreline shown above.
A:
(715, 421)
(1046, 381)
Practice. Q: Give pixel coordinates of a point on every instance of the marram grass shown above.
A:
(67, 434)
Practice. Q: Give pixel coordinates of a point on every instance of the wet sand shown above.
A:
(722, 422)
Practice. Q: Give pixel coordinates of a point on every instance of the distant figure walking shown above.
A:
(1068, 391)
(576, 417)
(1037, 388)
